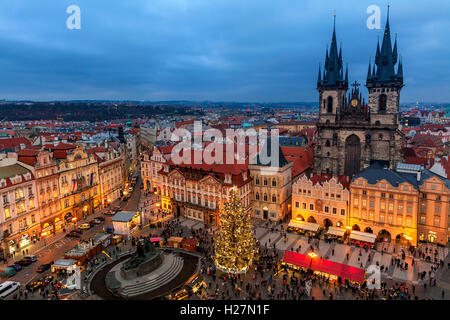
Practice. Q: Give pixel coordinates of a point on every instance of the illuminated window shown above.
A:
(423, 219)
(7, 214)
(408, 221)
(390, 219)
(436, 221)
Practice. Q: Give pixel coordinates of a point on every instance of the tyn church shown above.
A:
(352, 133)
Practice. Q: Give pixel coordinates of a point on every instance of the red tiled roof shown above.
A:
(12, 143)
(60, 146)
(425, 140)
(96, 149)
(302, 158)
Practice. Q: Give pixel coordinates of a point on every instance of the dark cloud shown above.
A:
(232, 50)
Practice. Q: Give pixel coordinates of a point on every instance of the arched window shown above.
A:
(382, 103)
(380, 137)
(274, 183)
(327, 144)
(257, 196)
(274, 198)
(330, 104)
(265, 182)
(377, 123)
(265, 197)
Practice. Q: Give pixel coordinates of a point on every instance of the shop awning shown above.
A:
(304, 225)
(336, 231)
(363, 236)
(341, 270)
(46, 229)
(322, 265)
(297, 259)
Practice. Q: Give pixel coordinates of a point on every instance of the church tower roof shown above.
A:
(386, 58)
(333, 76)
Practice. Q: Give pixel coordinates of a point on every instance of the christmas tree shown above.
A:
(235, 244)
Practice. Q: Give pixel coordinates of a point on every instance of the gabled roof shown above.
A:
(267, 152)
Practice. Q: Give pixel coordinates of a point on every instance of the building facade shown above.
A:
(321, 199)
(271, 185)
(407, 205)
(199, 192)
(19, 213)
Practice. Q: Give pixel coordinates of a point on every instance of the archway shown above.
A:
(299, 217)
(368, 230)
(352, 155)
(356, 227)
(327, 223)
(384, 236)
(311, 219)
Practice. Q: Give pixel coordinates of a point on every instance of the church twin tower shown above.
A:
(352, 134)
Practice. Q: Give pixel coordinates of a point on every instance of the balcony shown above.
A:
(6, 204)
(22, 198)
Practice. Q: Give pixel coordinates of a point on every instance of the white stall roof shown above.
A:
(363, 236)
(336, 231)
(64, 263)
(304, 225)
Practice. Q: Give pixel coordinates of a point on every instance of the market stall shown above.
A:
(303, 227)
(334, 233)
(175, 242)
(362, 239)
(126, 222)
(65, 265)
(334, 271)
(189, 244)
(86, 250)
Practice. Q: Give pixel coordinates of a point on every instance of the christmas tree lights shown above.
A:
(235, 244)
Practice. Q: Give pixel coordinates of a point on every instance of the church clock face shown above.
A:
(354, 103)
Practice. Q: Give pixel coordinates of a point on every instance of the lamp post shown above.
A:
(312, 255)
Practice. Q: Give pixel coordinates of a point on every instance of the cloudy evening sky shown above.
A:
(218, 50)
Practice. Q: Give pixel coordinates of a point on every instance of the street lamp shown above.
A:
(312, 255)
